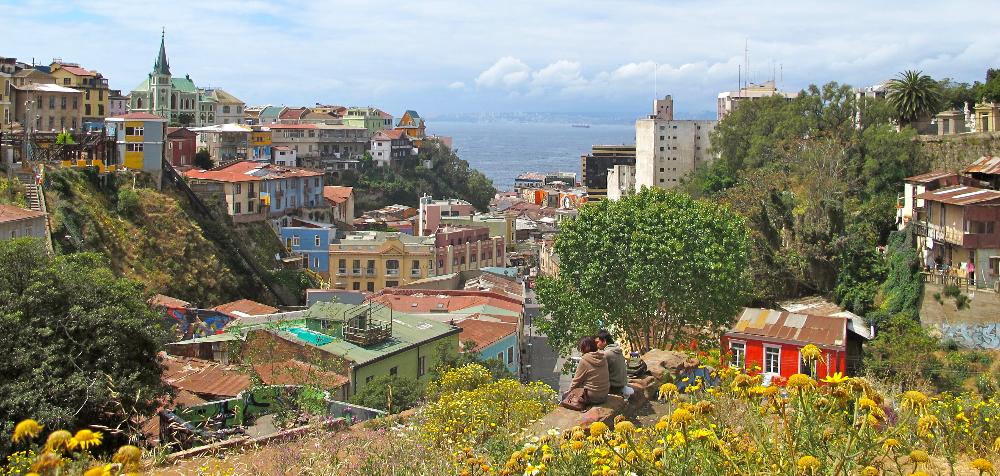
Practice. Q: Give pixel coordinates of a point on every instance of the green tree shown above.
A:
(956, 95)
(990, 92)
(914, 95)
(390, 393)
(80, 345)
(659, 266)
(203, 159)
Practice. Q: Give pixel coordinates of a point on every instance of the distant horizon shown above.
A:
(442, 57)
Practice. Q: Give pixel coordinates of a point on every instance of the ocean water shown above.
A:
(502, 150)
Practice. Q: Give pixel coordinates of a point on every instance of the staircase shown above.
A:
(36, 200)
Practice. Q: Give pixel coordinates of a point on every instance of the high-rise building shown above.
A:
(730, 99)
(594, 167)
(666, 149)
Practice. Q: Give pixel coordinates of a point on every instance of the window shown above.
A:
(772, 360)
(500, 356)
(52, 102)
(134, 147)
(421, 365)
(316, 240)
(295, 240)
(369, 378)
(739, 351)
(62, 102)
(371, 287)
(392, 267)
(236, 208)
(394, 371)
(315, 263)
(391, 284)
(357, 286)
(65, 81)
(979, 227)
(238, 188)
(86, 109)
(510, 355)
(661, 148)
(133, 131)
(76, 104)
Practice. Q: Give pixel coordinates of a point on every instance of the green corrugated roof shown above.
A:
(407, 330)
(183, 85)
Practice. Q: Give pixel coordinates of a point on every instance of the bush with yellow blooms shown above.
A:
(62, 453)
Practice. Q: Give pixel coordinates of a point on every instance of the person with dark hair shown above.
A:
(591, 373)
(616, 361)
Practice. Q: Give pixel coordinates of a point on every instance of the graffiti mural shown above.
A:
(974, 336)
(191, 322)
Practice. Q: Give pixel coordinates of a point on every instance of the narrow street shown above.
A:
(542, 362)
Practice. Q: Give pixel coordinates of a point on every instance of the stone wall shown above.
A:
(954, 152)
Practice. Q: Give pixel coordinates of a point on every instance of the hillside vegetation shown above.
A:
(146, 235)
(448, 177)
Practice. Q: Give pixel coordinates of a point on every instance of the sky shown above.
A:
(440, 57)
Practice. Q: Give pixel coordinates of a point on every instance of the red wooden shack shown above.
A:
(770, 341)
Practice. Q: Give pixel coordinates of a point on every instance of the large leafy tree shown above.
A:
(79, 345)
(658, 266)
(914, 95)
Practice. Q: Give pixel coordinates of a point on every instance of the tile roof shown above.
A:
(383, 114)
(484, 333)
(203, 377)
(961, 195)
(76, 70)
(137, 116)
(783, 326)
(295, 372)
(391, 134)
(245, 307)
(984, 165)
(293, 113)
(10, 213)
(246, 171)
(336, 195)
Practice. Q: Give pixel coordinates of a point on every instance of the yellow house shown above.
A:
(986, 117)
(139, 137)
(373, 260)
(96, 98)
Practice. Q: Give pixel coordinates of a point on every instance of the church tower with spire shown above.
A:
(159, 82)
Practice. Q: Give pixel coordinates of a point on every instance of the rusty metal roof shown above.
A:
(930, 177)
(822, 331)
(203, 377)
(985, 165)
(961, 195)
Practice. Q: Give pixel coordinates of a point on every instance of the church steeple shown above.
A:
(162, 66)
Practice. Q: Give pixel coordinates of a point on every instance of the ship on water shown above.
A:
(583, 126)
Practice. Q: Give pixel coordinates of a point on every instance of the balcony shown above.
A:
(370, 272)
(415, 273)
(341, 271)
(945, 234)
(363, 329)
(392, 273)
(356, 272)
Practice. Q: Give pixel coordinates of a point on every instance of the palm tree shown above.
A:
(914, 95)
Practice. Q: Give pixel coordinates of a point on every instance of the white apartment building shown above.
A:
(728, 100)
(621, 181)
(667, 149)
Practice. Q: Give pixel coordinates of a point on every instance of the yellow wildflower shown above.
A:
(982, 465)
(624, 427)
(667, 390)
(800, 381)
(996, 444)
(890, 445)
(58, 440)
(919, 456)
(681, 417)
(576, 444)
(598, 428)
(810, 353)
(807, 464)
(701, 433)
(26, 429)
(46, 461)
(84, 439)
(98, 471)
(869, 471)
(660, 425)
(915, 401)
(836, 378)
(129, 455)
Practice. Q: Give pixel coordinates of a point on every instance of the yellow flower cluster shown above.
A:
(62, 447)
(838, 425)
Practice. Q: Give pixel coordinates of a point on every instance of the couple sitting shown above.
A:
(601, 371)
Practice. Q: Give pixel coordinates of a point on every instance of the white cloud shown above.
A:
(456, 85)
(507, 72)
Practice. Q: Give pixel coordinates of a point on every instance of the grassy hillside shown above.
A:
(146, 235)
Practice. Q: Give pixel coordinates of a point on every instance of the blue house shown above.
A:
(494, 339)
(311, 239)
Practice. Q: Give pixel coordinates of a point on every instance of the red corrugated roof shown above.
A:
(293, 113)
(294, 372)
(783, 326)
(929, 177)
(9, 213)
(76, 69)
(336, 195)
(961, 195)
(245, 306)
(203, 377)
(484, 333)
(985, 165)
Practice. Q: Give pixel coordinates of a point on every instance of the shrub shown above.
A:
(128, 202)
(391, 393)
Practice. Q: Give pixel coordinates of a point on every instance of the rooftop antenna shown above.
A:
(746, 58)
(656, 90)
